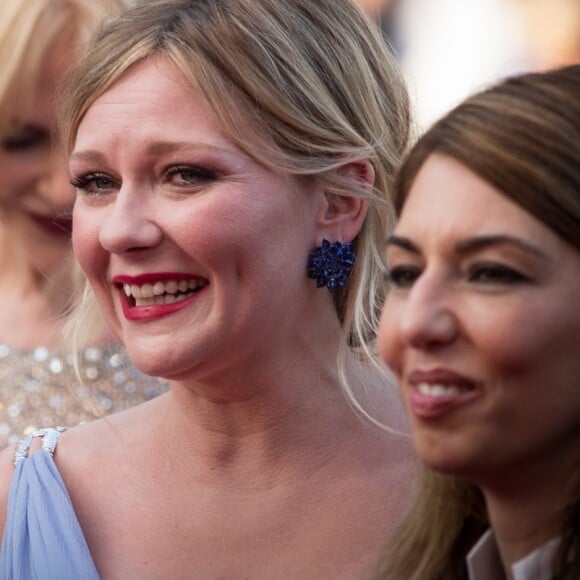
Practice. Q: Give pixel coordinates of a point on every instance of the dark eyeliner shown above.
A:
(27, 138)
(93, 183)
(403, 276)
(492, 273)
(192, 172)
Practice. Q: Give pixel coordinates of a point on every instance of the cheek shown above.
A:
(254, 232)
(388, 341)
(524, 337)
(528, 354)
(15, 177)
(85, 241)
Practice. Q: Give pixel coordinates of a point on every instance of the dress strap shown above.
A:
(49, 436)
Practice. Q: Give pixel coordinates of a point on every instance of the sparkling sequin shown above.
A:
(40, 388)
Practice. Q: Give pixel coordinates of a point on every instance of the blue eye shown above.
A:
(403, 276)
(490, 273)
(94, 184)
(187, 175)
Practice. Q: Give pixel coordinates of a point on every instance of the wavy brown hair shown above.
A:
(522, 136)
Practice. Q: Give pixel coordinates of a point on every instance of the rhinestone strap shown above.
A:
(49, 439)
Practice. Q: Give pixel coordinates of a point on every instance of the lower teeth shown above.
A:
(162, 299)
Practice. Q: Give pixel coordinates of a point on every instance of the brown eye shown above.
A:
(494, 274)
(403, 276)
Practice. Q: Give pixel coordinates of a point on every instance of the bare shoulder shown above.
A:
(6, 472)
(82, 447)
(88, 451)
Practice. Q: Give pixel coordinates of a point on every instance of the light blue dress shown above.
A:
(43, 539)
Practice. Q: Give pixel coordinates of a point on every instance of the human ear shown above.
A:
(342, 216)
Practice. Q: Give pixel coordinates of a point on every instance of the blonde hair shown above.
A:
(315, 84)
(28, 29)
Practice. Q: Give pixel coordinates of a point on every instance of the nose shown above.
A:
(54, 183)
(429, 318)
(129, 225)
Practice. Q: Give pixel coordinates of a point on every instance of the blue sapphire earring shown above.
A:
(330, 264)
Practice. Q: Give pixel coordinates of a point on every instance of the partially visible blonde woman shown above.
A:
(39, 40)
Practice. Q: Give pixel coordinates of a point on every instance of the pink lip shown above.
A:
(153, 311)
(56, 226)
(425, 406)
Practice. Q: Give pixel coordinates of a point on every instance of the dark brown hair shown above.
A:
(522, 136)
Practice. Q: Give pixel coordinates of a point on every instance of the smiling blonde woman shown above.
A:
(233, 161)
(39, 40)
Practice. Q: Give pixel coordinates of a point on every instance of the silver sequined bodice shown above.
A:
(40, 388)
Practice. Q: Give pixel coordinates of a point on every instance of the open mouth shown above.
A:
(441, 390)
(162, 292)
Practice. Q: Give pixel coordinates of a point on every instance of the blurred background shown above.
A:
(450, 48)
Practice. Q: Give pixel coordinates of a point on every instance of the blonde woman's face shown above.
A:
(482, 328)
(35, 192)
(196, 253)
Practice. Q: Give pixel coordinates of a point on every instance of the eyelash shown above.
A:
(24, 141)
(195, 175)
(490, 273)
(403, 277)
(83, 183)
(96, 184)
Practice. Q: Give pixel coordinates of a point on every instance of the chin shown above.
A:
(151, 367)
(447, 461)
(160, 364)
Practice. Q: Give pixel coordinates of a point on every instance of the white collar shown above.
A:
(484, 563)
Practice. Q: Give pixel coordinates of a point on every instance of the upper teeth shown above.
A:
(439, 390)
(158, 288)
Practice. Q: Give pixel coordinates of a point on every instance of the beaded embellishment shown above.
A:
(40, 387)
(49, 436)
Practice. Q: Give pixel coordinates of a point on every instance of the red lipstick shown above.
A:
(145, 312)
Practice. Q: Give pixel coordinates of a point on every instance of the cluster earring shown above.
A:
(330, 264)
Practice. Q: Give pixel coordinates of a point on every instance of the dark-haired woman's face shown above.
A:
(482, 328)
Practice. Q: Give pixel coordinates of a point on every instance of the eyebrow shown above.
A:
(401, 242)
(482, 242)
(90, 156)
(155, 148)
(474, 244)
(162, 147)
(29, 127)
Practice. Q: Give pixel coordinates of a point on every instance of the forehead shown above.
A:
(152, 82)
(448, 201)
(151, 99)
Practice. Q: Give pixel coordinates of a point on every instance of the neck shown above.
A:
(526, 514)
(33, 297)
(301, 425)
